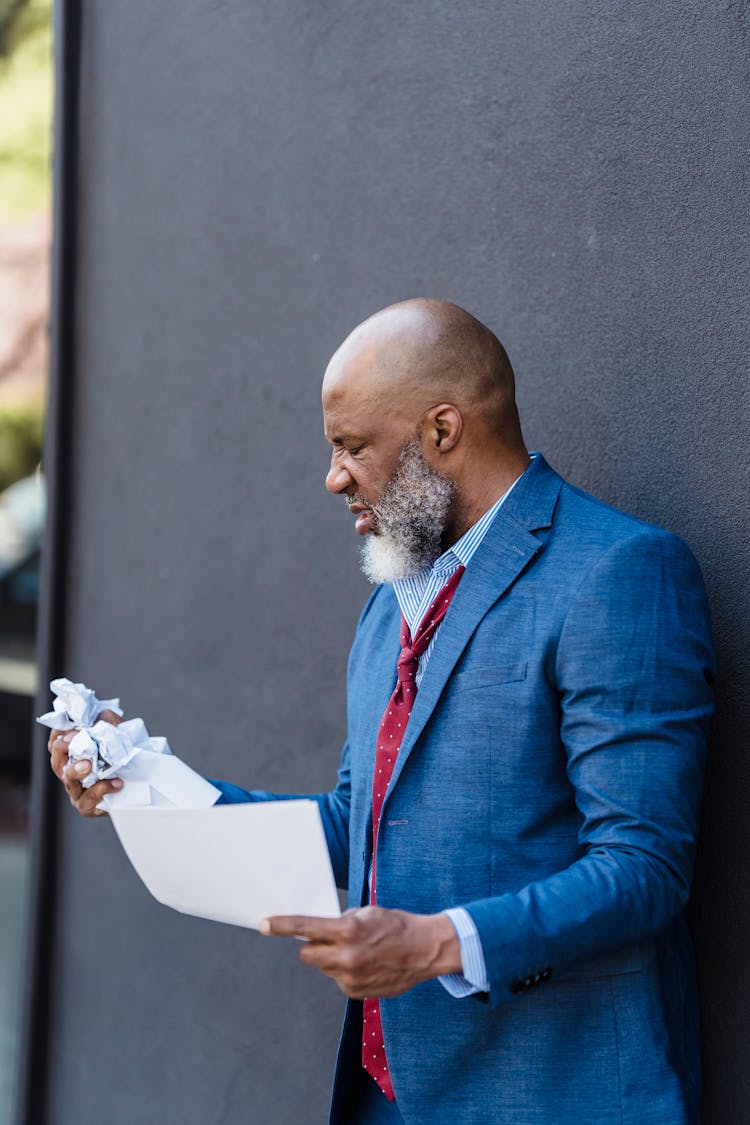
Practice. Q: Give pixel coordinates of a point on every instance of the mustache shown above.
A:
(358, 498)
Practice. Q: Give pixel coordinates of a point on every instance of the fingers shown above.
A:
(372, 951)
(110, 717)
(85, 801)
(58, 742)
(328, 944)
(72, 773)
(304, 926)
(57, 746)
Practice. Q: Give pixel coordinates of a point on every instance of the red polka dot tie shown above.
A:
(390, 735)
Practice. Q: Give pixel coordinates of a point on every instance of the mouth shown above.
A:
(365, 521)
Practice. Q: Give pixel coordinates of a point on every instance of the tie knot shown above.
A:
(407, 665)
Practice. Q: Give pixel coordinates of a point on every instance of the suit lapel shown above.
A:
(505, 551)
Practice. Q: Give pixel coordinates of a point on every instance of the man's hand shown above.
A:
(71, 775)
(372, 951)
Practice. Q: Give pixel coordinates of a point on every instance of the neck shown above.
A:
(486, 487)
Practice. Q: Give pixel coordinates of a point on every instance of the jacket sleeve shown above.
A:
(634, 668)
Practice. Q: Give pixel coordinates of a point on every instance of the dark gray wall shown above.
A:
(254, 179)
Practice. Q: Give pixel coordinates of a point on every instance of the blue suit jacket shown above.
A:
(550, 782)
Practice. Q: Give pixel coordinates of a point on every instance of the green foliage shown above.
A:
(19, 18)
(21, 431)
(25, 106)
(11, 13)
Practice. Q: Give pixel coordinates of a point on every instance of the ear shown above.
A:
(441, 427)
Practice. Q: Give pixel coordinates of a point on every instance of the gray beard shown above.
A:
(410, 520)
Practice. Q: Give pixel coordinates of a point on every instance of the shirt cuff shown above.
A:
(474, 978)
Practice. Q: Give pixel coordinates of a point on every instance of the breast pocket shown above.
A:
(489, 675)
(482, 698)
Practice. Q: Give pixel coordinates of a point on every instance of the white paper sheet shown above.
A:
(233, 863)
(157, 779)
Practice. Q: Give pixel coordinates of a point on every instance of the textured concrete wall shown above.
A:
(255, 178)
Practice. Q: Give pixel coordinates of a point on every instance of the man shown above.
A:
(528, 698)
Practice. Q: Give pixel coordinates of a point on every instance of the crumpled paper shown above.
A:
(110, 748)
(152, 774)
(75, 705)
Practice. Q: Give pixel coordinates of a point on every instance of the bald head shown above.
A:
(425, 351)
(423, 377)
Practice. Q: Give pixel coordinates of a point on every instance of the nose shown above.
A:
(338, 479)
